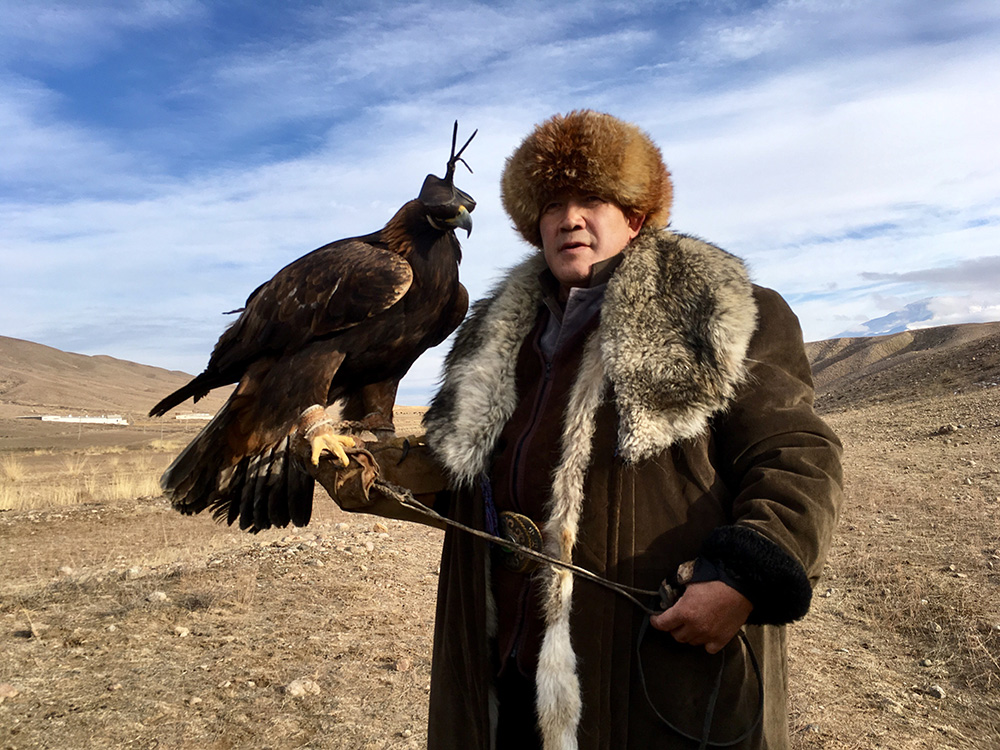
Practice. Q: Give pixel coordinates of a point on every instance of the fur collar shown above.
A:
(675, 326)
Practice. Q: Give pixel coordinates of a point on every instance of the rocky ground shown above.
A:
(901, 648)
(126, 625)
(129, 626)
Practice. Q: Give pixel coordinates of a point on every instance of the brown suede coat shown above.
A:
(687, 432)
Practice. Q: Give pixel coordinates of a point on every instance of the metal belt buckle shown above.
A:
(519, 529)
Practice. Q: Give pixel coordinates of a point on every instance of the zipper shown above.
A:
(521, 444)
(525, 437)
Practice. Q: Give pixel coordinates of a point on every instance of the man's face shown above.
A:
(579, 230)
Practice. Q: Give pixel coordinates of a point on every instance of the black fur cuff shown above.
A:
(774, 581)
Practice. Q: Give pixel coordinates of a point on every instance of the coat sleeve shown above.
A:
(782, 464)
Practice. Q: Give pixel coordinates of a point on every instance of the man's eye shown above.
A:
(550, 207)
(594, 199)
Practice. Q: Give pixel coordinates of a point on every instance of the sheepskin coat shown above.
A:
(687, 433)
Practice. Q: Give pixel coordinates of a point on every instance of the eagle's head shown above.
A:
(447, 207)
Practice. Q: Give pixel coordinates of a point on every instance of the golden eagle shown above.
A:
(342, 323)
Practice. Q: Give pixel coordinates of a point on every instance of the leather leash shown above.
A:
(667, 594)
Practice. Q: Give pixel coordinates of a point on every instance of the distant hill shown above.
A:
(905, 366)
(37, 379)
(848, 372)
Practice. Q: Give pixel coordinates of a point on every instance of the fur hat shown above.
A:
(588, 151)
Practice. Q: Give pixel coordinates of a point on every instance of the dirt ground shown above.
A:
(126, 625)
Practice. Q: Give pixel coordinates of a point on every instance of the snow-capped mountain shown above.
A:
(927, 313)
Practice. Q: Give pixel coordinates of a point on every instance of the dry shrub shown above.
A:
(12, 474)
(244, 589)
(62, 495)
(11, 469)
(128, 485)
(74, 464)
(162, 445)
(198, 601)
(104, 450)
(10, 498)
(142, 463)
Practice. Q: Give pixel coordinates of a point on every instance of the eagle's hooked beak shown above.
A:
(462, 220)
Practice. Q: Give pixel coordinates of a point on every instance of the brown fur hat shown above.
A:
(591, 152)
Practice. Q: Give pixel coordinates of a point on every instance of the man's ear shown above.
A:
(635, 222)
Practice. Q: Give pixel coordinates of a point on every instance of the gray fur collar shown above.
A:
(675, 326)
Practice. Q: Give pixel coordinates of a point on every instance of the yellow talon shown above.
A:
(333, 443)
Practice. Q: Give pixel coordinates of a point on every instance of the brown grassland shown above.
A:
(126, 625)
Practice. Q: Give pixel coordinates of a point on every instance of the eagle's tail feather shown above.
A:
(191, 481)
(243, 494)
(223, 506)
(197, 389)
(260, 491)
(269, 489)
(300, 486)
(276, 485)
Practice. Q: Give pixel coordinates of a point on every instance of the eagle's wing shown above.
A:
(331, 289)
(285, 335)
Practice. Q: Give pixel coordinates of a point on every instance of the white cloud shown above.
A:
(876, 164)
(979, 273)
(71, 32)
(47, 158)
(821, 141)
(965, 309)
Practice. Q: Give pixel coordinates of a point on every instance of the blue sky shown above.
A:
(160, 159)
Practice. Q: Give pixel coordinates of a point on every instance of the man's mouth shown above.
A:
(571, 246)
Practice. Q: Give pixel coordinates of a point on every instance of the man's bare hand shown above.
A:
(708, 614)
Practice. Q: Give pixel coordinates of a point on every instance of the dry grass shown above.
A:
(944, 619)
(11, 469)
(163, 445)
(909, 607)
(102, 655)
(104, 450)
(74, 464)
(59, 479)
(126, 486)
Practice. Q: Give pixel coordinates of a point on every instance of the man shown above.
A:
(628, 396)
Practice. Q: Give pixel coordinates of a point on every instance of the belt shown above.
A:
(524, 533)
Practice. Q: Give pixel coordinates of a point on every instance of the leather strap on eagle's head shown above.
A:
(448, 207)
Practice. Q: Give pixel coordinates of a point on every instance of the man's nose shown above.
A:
(572, 217)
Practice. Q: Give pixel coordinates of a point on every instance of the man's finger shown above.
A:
(714, 647)
(665, 621)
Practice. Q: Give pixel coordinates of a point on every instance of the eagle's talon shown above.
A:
(333, 443)
(405, 452)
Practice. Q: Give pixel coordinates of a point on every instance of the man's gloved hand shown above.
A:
(349, 485)
(361, 485)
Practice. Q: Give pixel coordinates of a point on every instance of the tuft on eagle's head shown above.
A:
(343, 324)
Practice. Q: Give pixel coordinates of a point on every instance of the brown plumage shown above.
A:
(342, 323)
